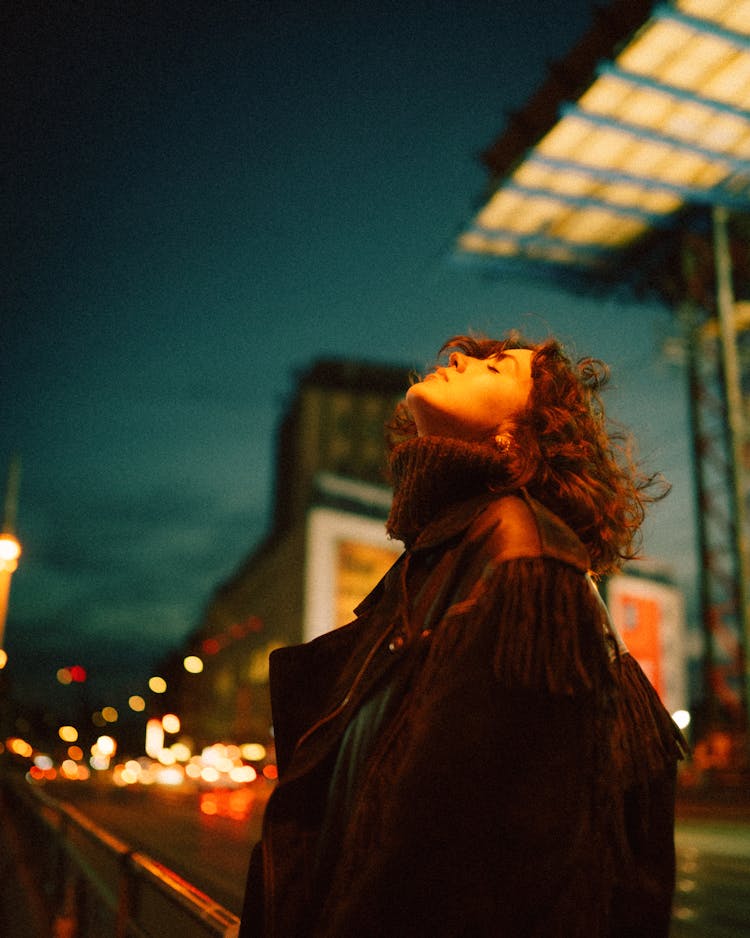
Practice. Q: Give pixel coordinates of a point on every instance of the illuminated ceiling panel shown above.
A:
(659, 123)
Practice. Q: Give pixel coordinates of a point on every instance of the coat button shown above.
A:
(396, 643)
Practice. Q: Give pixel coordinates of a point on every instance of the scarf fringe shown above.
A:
(550, 635)
(647, 741)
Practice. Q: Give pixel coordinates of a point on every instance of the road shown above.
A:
(712, 898)
(207, 839)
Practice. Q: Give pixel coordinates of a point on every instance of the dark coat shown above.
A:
(522, 786)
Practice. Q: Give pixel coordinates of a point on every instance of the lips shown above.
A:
(441, 373)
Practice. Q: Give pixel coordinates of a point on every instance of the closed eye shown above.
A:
(497, 358)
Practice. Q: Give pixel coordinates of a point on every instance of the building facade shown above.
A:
(325, 550)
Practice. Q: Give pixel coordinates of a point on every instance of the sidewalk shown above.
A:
(22, 909)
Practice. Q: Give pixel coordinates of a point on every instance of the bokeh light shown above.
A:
(171, 723)
(253, 752)
(681, 718)
(193, 664)
(105, 746)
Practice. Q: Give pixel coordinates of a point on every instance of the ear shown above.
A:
(503, 441)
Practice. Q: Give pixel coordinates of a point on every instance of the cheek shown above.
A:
(495, 407)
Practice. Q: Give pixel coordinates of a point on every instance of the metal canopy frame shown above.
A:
(641, 131)
(660, 122)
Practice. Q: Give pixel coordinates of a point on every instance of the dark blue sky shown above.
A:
(202, 199)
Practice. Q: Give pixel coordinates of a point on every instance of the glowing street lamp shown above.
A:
(10, 549)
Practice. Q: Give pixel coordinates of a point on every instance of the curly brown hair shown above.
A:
(565, 452)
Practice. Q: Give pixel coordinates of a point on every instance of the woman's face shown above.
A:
(471, 398)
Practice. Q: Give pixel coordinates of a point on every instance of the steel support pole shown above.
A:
(690, 320)
(737, 432)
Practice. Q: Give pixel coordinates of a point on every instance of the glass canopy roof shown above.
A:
(663, 124)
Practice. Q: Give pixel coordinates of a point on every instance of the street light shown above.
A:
(10, 549)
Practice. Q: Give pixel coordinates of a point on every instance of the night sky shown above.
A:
(199, 201)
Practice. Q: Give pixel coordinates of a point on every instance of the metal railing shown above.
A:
(94, 885)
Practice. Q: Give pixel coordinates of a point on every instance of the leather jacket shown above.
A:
(493, 798)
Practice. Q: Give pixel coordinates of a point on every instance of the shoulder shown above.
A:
(517, 526)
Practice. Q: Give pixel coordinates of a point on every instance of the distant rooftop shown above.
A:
(356, 376)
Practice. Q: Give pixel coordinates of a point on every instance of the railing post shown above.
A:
(66, 917)
(124, 897)
(64, 913)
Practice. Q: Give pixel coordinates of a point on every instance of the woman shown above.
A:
(477, 754)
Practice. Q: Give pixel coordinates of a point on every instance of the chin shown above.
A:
(415, 391)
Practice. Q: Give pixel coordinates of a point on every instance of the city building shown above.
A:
(325, 550)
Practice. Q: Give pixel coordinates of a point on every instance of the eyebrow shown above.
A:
(501, 356)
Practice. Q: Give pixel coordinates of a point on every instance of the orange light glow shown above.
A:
(193, 664)
(253, 752)
(10, 551)
(180, 751)
(171, 723)
(157, 684)
(210, 646)
(243, 773)
(154, 738)
(235, 805)
(270, 772)
(170, 775)
(68, 734)
(20, 747)
(69, 769)
(137, 703)
(104, 746)
(209, 805)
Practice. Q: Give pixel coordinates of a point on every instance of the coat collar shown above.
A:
(452, 522)
(555, 537)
